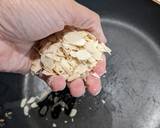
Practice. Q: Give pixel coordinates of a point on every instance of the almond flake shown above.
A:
(80, 69)
(47, 62)
(74, 38)
(31, 100)
(73, 77)
(81, 54)
(23, 102)
(36, 66)
(58, 69)
(69, 47)
(48, 73)
(66, 66)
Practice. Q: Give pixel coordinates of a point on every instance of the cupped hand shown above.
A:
(24, 22)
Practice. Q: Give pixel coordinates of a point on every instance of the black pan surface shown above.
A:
(131, 87)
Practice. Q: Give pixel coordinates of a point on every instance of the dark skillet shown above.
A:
(131, 87)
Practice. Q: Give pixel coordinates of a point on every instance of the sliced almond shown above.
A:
(69, 47)
(107, 49)
(26, 110)
(23, 102)
(81, 54)
(73, 77)
(97, 55)
(91, 36)
(81, 69)
(53, 57)
(36, 66)
(34, 105)
(48, 73)
(73, 63)
(74, 38)
(92, 60)
(103, 48)
(60, 52)
(83, 33)
(73, 112)
(53, 48)
(66, 66)
(47, 62)
(31, 100)
(91, 47)
(58, 69)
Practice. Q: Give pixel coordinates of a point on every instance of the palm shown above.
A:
(25, 27)
(14, 59)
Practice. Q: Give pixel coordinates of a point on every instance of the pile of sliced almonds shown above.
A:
(70, 53)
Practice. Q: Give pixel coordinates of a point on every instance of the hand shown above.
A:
(24, 22)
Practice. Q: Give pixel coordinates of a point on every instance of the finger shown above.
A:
(77, 87)
(93, 84)
(88, 20)
(57, 83)
(100, 68)
(98, 31)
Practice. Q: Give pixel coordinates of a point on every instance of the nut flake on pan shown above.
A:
(27, 104)
(23, 102)
(73, 112)
(72, 54)
(31, 100)
(26, 110)
(34, 105)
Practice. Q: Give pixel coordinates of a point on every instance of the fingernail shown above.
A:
(97, 92)
(95, 75)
